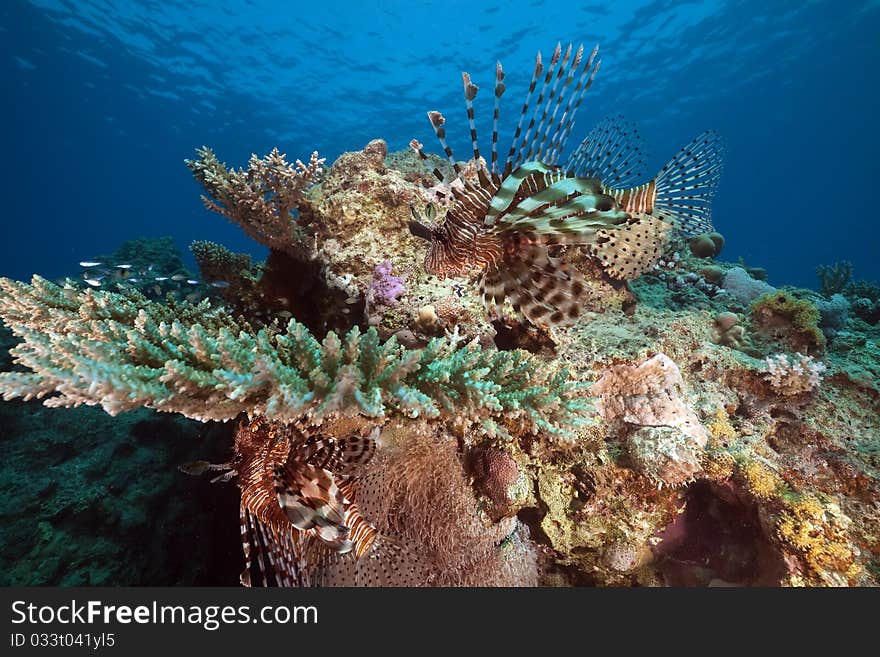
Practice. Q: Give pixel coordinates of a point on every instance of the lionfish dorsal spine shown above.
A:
(470, 92)
(585, 81)
(552, 128)
(438, 123)
(419, 148)
(539, 66)
(535, 145)
(548, 76)
(499, 90)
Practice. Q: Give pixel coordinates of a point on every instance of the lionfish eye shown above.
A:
(421, 230)
(604, 205)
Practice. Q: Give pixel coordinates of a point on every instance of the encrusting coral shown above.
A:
(780, 317)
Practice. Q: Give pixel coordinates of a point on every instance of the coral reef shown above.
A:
(720, 451)
(834, 278)
(706, 245)
(417, 492)
(385, 288)
(744, 288)
(217, 263)
(779, 317)
(833, 314)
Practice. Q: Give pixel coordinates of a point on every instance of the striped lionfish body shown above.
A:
(297, 502)
(504, 217)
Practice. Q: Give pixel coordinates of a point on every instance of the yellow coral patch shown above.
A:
(817, 532)
(720, 427)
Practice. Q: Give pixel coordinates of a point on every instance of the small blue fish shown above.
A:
(192, 281)
(222, 285)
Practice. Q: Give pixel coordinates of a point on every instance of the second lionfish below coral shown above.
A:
(323, 511)
(299, 523)
(504, 218)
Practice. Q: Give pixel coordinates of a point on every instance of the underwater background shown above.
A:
(106, 99)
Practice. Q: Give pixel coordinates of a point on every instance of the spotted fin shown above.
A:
(355, 452)
(613, 152)
(629, 250)
(544, 290)
(388, 563)
(687, 184)
(311, 500)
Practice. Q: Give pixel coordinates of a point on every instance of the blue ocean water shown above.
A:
(104, 99)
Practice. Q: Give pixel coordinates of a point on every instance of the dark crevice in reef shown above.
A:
(531, 517)
(523, 336)
(718, 540)
(299, 287)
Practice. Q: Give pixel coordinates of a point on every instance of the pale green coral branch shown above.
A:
(121, 351)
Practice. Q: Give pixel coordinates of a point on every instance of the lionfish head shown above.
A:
(439, 260)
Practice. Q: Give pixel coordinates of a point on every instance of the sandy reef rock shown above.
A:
(360, 212)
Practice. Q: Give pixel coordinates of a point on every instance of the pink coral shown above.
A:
(385, 287)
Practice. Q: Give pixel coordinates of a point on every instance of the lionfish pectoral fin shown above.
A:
(687, 184)
(549, 202)
(613, 152)
(544, 290)
(311, 500)
(627, 251)
(356, 451)
(420, 230)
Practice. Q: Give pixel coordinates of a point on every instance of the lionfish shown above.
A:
(300, 524)
(502, 223)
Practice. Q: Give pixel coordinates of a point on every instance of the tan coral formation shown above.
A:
(262, 198)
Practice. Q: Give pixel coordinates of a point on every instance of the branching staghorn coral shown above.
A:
(260, 199)
(122, 351)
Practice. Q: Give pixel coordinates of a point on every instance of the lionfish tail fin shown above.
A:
(629, 250)
(613, 152)
(687, 184)
(544, 290)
